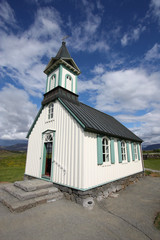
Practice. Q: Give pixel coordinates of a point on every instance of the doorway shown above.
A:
(48, 159)
(48, 153)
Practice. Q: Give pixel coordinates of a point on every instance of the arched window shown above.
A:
(52, 82)
(50, 110)
(69, 82)
(135, 151)
(106, 150)
(123, 151)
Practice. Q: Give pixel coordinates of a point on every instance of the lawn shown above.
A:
(12, 166)
(152, 164)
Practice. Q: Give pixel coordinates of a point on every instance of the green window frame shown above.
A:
(105, 150)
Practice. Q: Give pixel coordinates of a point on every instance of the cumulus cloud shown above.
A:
(127, 93)
(21, 55)
(16, 113)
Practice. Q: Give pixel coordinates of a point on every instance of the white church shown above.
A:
(72, 144)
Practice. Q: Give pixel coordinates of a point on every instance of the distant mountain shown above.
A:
(11, 142)
(15, 147)
(152, 147)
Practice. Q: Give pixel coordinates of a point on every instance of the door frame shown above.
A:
(43, 165)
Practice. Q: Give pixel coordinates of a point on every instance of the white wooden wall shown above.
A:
(75, 153)
(68, 151)
(95, 174)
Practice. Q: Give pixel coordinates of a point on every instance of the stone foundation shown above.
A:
(87, 198)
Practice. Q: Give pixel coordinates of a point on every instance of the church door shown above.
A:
(47, 156)
(48, 159)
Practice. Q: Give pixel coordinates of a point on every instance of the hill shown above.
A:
(152, 147)
(16, 147)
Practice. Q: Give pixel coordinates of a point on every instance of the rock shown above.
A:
(106, 194)
(118, 188)
(109, 190)
(114, 189)
(67, 195)
(100, 198)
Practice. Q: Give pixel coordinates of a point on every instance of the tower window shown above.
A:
(52, 82)
(68, 82)
(50, 110)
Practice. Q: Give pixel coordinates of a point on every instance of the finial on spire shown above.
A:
(65, 37)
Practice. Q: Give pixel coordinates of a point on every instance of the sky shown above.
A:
(115, 43)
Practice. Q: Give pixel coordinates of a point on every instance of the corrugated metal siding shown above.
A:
(68, 149)
(95, 174)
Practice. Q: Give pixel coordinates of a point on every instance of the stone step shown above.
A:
(23, 195)
(15, 205)
(32, 185)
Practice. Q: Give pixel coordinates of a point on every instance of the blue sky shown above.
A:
(116, 45)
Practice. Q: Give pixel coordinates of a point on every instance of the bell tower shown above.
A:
(62, 71)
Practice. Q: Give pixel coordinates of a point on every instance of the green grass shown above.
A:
(152, 164)
(12, 166)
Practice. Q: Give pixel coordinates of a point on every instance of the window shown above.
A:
(105, 150)
(69, 82)
(135, 151)
(52, 82)
(123, 151)
(50, 110)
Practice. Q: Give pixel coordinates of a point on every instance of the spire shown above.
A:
(63, 51)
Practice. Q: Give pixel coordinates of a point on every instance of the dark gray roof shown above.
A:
(63, 52)
(93, 120)
(62, 57)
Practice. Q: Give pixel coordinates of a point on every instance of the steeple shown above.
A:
(61, 73)
(63, 57)
(63, 52)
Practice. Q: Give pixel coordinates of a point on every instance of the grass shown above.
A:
(152, 164)
(157, 221)
(12, 166)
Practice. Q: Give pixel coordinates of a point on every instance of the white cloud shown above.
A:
(132, 36)
(153, 53)
(16, 113)
(85, 35)
(21, 54)
(7, 15)
(98, 69)
(129, 92)
(155, 6)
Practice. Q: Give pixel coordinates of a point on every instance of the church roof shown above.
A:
(63, 57)
(63, 52)
(95, 121)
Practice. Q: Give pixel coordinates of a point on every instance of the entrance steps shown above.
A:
(23, 195)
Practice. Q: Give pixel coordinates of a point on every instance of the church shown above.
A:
(72, 144)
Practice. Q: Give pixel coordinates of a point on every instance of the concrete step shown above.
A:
(23, 195)
(16, 205)
(32, 185)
